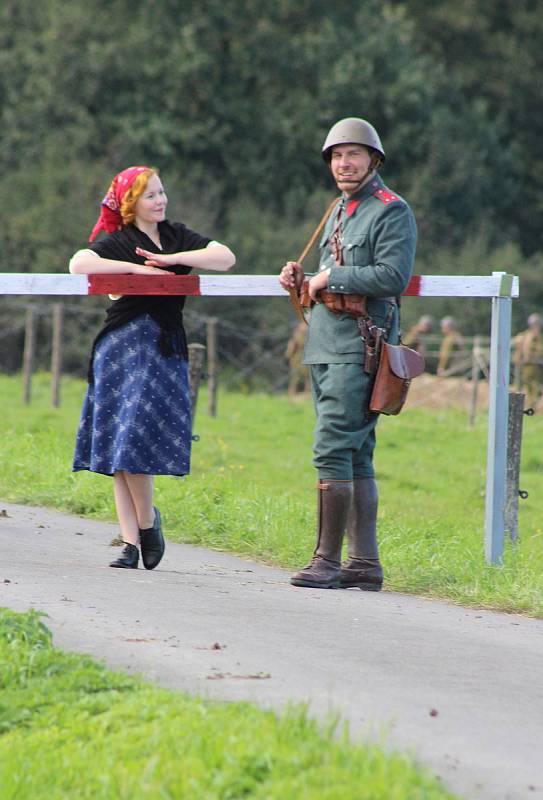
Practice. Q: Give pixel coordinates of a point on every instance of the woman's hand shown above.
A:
(292, 276)
(148, 269)
(156, 259)
(87, 262)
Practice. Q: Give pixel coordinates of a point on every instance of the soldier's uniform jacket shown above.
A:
(378, 243)
(532, 347)
(451, 351)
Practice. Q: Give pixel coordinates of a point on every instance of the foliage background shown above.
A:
(232, 99)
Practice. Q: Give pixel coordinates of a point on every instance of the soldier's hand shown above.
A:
(318, 282)
(292, 275)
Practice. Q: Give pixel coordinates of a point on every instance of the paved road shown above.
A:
(217, 625)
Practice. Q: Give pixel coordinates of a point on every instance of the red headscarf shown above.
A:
(110, 219)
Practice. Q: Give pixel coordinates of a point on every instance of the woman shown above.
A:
(136, 419)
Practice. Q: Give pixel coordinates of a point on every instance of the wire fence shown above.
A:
(246, 358)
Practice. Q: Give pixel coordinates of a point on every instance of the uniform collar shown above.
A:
(350, 204)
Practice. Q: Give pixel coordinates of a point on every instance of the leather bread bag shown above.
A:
(398, 365)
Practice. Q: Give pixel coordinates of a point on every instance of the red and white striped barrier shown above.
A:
(497, 285)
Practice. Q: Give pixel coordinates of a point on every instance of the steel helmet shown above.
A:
(352, 130)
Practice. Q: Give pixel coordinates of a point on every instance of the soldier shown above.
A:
(451, 350)
(298, 371)
(416, 335)
(367, 249)
(529, 359)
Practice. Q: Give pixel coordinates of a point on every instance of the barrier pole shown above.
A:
(499, 286)
(498, 411)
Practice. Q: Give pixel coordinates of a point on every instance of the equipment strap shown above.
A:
(318, 230)
(294, 296)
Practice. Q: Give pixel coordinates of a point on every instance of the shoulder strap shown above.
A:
(294, 297)
(318, 230)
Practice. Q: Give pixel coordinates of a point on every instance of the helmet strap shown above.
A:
(375, 163)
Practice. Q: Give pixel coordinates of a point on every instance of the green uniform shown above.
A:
(378, 248)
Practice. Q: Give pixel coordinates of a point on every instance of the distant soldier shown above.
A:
(416, 335)
(452, 346)
(528, 358)
(294, 354)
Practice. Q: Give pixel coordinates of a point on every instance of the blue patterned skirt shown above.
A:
(136, 415)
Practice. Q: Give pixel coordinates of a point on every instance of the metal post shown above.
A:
(497, 421)
(514, 445)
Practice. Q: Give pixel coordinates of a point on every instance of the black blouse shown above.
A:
(166, 310)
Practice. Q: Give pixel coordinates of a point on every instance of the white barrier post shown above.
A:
(497, 420)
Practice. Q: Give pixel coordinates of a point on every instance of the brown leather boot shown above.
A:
(334, 500)
(362, 568)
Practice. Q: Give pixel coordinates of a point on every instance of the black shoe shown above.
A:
(152, 544)
(129, 557)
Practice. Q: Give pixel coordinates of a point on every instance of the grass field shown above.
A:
(252, 490)
(70, 729)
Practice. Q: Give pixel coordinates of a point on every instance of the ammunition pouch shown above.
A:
(353, 304)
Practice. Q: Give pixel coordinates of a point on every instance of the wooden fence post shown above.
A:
(196, 361)
(212, 366)
(28, 353)
(514, 446)
(56, 353)
(475, 372)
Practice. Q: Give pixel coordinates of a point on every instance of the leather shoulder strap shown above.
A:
(318, 230)
(294, 296)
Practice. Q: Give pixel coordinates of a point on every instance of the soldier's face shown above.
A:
(349, 164)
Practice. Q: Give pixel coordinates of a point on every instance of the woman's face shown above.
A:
(151, 205)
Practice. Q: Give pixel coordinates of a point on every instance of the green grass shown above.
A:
(69, 728)
(252, 490)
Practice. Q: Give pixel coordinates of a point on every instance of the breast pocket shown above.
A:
(325, 254)
(356, 250)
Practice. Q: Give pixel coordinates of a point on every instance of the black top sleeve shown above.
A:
(189, 240)
(116, 247)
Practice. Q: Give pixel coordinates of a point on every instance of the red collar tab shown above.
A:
(385, 196)
(351, 207)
